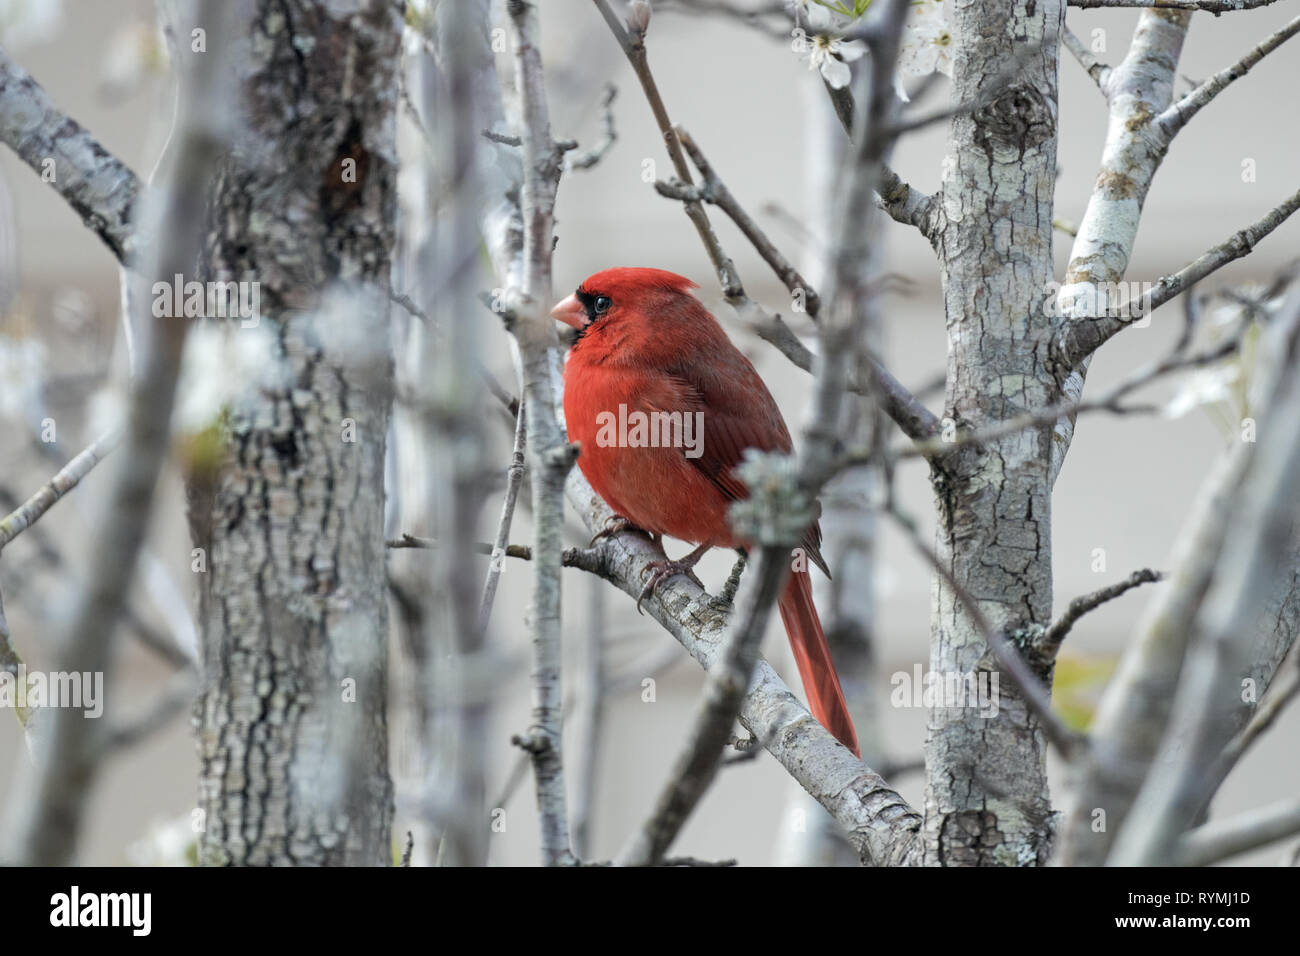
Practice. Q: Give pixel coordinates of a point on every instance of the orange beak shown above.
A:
(571, 311)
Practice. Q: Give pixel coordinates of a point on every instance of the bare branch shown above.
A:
(1082, 336)
(1254, 556)
(713, 190)
(514, 481)
(906, 204)
(903, 203)
(724, 692)
(881, 825)
(67, 478)
(911, 415)
(551, 455)
(1217, 840)
(633, 47)
(97, 185)
(1098, 70)
(1150, 691)
(1172, 120)
(1051, 640)
(1110, 401)
(594, 155)
(46, 820)
(1267, 713)
(1140, 88)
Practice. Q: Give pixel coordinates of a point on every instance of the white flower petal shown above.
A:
(836, 72)
(850, 50)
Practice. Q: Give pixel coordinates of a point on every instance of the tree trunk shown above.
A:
(292, 722)
(987, 799)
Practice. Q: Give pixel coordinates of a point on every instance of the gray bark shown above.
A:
(987, 798)
(294, 766)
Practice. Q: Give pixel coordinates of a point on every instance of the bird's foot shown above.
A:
(661, 571)
(617, 524)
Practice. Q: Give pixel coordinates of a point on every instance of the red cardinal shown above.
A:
(646, 345)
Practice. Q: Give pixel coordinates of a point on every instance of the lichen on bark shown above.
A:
(291, 723)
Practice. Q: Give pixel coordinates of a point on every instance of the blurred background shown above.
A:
(760, 116)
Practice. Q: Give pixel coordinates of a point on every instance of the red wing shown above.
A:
(739, 413)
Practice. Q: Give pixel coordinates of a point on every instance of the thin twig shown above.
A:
(551, 455)
(101, 189)
(1172, 120)
(1099, 71)
(1263, 719)
(67, 478)
(911, 415)
(1051, 640)
(514, 481)
(1110, 401)
(1084, 335)
(594, 155)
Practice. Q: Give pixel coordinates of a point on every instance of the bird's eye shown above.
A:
(602, 304)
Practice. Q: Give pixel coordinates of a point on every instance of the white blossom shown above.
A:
(927, 40)
(811, 15)
(1205, 387)
(832, 57)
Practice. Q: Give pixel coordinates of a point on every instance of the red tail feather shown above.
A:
(813, 655)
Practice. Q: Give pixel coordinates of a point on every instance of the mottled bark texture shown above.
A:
(292, 726)
(987, 800)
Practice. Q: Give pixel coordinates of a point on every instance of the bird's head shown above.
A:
(606, 296)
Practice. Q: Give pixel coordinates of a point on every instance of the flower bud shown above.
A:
(638, 16)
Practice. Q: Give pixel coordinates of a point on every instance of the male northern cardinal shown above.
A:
(646, 345)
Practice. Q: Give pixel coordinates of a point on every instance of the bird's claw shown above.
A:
(661, 571)
(615, 524)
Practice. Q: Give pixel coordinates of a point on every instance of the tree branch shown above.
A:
(514, 480)
(880, 824)
(594, 155)
(46, 818)
(1099, 71)
(551, 455)
(1216, 841)
(1139, 89)
(67, 478)
(97, 185)
(1052, 638)
(1082, 336)
(1136, 710)
(1172, 120)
